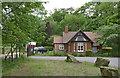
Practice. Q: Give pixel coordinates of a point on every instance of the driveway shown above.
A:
(113, 61)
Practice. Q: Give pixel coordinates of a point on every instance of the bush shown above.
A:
(68, 60)
(88, 52)
(50, 48)
(101, 55)
(80, 55)
(74, 53)
(60, 54)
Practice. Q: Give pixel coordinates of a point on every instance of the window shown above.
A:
(80, 47)
(94, 49)
(85, 46)
(61, 47)
(74, 47)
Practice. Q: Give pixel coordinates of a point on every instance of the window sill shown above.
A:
(63, 49)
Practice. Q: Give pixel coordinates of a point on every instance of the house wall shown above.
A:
(56, 48)
(70, 47)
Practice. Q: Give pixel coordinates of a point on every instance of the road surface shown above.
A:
(113, 61)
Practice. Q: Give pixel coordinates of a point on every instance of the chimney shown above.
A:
(66, 29)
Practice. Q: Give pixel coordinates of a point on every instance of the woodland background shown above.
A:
(23, 22)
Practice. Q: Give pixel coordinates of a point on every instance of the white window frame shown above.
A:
(85, 46)
(79, 46)
(74, 47)
(61, 47)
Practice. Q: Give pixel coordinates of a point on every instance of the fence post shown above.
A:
(9, 59)
(12, 52)
(5, 59)
(16, 52)
(19, 51)
(3, 50)
(27, 52)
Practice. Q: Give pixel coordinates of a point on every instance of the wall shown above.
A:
(71, 47)
(56, 47)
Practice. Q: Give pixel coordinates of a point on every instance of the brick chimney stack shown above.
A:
(66, 29)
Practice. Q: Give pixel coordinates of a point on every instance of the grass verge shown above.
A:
(8, 66)
(37, 67)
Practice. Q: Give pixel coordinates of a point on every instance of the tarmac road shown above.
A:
(114, 61)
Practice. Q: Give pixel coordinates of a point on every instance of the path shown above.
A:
(113, 61)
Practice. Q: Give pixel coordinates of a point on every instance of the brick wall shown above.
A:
(70, 47)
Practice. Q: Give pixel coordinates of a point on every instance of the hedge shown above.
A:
(88, 52)
(50, 48)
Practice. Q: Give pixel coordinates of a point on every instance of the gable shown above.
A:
(80, 37)
(86, 36)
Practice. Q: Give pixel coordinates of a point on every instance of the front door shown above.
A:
(80, 47)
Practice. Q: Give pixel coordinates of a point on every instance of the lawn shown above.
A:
(36, 67)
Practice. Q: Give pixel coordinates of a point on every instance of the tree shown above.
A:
(74, 22)
(110, 37)
(21, 21)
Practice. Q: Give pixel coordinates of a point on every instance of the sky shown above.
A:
(52, 4)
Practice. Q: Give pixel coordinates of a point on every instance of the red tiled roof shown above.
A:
(95, 44)
(92, 36)
(58, 39)
(68, 36)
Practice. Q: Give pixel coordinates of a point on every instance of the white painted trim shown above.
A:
(61, 46)
(80, 44)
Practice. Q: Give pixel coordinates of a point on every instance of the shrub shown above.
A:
(60, 54)
(88, 52)
(80, 55)
(50, 48)
(68, 60)
(74, 53)
(101, 55)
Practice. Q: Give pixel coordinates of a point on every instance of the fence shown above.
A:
(12, 51)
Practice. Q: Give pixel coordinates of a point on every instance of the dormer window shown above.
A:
(84, 39)
(76, 39)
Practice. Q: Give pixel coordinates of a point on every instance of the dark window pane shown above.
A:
(81, 47)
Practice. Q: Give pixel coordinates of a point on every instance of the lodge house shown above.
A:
(78, 41)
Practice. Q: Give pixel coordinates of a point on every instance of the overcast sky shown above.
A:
(52, 4)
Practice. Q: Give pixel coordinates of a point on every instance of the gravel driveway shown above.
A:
(113, 61)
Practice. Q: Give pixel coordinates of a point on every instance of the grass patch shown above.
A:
(37, 67)
(8, 66)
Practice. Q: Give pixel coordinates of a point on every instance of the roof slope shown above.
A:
(68, 36)
(58, 39)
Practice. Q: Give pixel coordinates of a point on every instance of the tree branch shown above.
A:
(15, 8)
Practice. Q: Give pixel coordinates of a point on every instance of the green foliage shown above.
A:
(107, 48)
(110, 37)
(20, 25)
(52, 53)
(50, 48)
(50, 40)
(88, 52)
(80, 55)
(68, 60)
(26, 22)
(102, 55)
(73, 53)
